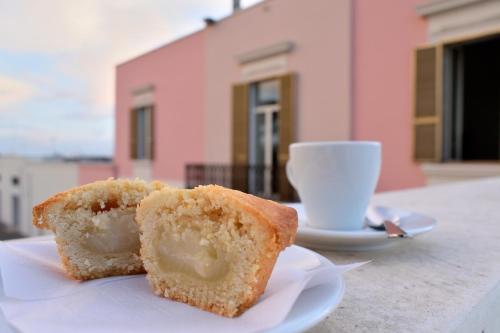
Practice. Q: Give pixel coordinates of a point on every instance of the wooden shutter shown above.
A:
(240, 137)
(428, 104)
(286, 129)
(240, 124)
(133, 134)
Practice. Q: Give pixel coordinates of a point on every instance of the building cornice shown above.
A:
(440, 6)
(272, 50)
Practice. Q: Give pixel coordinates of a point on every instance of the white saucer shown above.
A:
(362, 240)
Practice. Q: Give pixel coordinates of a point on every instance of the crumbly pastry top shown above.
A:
(281, 218)
(99, 195)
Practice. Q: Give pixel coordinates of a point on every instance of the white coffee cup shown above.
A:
(335, 181)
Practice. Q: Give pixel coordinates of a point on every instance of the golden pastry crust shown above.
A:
(280, 218)
(69, 215)
(272, 225)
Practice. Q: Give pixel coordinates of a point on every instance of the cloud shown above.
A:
(91, 37)
(13, 91)
(61, 55)
(63, 137)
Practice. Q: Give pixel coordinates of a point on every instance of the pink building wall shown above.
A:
(177, 73)
(353, 61)
(321, 33)
(386, 33)
(91, 172)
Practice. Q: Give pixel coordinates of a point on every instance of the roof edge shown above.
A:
(436, 7)
(158, 48)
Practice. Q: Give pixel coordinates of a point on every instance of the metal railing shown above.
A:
(260, 180)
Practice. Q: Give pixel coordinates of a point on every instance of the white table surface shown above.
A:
(445, 281)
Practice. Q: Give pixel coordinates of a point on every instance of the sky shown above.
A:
(57, 66)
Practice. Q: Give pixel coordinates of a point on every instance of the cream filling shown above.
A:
(190, 254)
(114, 232)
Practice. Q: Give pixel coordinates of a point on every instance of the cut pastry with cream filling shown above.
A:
(94, 227)
(212, 247)
(190, 253)
(114, 231)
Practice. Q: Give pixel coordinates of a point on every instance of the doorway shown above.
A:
(264, 137)
(266, 104)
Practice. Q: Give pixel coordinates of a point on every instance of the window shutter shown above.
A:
(428, 104)
(286, 132)
(240, 124)
(240, 137)
(133, 134)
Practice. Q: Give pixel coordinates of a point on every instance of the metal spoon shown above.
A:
(380, 224)
(380, 218)
(376, 216)
(375, 225)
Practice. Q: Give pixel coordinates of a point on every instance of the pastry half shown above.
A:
(212, 247)
(94, 227)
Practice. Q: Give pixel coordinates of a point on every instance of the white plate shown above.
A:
(362, 240)
(312, 305)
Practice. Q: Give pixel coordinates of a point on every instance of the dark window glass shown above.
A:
(275, 143)
(268, 92)
(143, 130)
(16, 211)
(474, 122)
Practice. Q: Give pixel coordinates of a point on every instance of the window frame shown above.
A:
(142, 148)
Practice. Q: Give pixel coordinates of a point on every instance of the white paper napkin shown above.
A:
(40, 298)
(31, 270)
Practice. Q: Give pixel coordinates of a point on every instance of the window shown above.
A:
(15, 180)
(262, 131)
(16, 218)
(264, 136)
(457, 104)
(264, 122)
(141, 133)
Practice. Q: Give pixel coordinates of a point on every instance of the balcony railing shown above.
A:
(263, 181)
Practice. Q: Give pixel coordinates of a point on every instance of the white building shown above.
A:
(25, 183)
